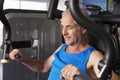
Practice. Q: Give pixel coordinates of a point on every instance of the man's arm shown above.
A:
(94, 60)
(34, 65)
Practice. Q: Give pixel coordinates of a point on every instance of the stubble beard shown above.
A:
(74, 42)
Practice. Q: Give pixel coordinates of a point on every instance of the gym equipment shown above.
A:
(105, 65)
(7, 38)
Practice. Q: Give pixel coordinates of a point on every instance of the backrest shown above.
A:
(97, 42)
(116, 12)
(112, 29)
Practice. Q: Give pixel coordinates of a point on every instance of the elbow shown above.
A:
(40, 67)
(42, 70)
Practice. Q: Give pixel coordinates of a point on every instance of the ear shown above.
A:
(83, 30)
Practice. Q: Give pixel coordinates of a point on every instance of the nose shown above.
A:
(64, 31)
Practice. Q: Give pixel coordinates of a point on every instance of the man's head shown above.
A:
(72, 32)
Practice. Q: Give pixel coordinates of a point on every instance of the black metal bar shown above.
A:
(5, 21)
(7, 35)
(97, 32)
(21, 44)
(52, 11)
(110, 19)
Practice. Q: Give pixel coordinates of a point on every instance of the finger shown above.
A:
(66, 72)
(66, 67)
(71, 75)
(71, 72)
(61, 77)
(13, 53)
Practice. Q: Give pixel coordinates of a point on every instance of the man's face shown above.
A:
(71, 31)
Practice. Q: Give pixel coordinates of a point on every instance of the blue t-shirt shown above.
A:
(62, 58)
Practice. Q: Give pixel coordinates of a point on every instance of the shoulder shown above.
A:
(62, 45)
(96, 54)
(51, 58)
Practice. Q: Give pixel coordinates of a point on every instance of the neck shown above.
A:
(77, 47)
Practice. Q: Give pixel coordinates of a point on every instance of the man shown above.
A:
(75, 57)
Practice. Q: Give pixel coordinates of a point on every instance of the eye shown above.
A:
(69, 27)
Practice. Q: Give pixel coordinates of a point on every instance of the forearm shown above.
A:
(34, 65)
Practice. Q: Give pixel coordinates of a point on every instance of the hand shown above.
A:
(69, 71)
(16, 55)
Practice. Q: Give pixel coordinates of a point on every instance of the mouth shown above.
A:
(66, 38)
